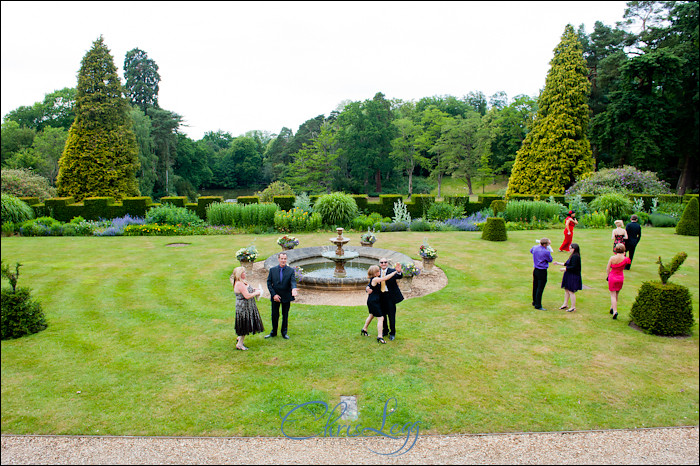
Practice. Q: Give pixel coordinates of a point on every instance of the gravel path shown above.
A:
(677, 445)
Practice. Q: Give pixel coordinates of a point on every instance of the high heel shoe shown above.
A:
(381, 340)
(571, 309)
(611, 311)
(615, 316)
(364, 333)
(563, 307)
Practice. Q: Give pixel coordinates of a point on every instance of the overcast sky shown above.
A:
(241, 66)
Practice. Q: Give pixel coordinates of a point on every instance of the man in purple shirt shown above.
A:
(541, 257)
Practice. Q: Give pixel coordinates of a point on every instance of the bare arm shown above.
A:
(239, 287)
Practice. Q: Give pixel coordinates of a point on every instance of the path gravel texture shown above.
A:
(677, 445)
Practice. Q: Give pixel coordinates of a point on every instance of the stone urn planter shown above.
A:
(248, 265)
(428, 263)
(286, 248)
(405, 284)
(366, 244)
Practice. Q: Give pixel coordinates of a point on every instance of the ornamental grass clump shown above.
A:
(617, 205)
(336, 209)
(15, 210)
(663, 308)
(21, 315)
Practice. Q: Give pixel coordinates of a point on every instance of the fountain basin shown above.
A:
(304, 257)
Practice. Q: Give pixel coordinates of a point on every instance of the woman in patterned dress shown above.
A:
(247, 316)
(619, 234)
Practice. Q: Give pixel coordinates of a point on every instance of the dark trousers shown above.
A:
(276, 316)
(630, 251)
(539, 280)
(389, 310)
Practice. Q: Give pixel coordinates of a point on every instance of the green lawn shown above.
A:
(459, 187)
(141, 342)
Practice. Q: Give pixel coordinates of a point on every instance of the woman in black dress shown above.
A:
(375, 309)
(571, 282)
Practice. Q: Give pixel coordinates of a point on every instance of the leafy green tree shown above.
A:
(15, 138)
(56, 110)
(364, 139)
(141, 79)
(164, 127)
(508, 127)
(557, 150)
(405, 151)
(462, 143)
(276, 156)
(48, 146)
(314, 168)
(191, 162)
(147, 157)
(101, 156)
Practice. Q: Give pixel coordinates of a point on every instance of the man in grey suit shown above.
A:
(282, 284)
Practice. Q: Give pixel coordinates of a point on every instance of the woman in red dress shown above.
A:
(569, 224)
(616, 276)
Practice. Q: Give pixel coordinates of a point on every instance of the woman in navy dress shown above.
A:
(373, 303)
(571, 281)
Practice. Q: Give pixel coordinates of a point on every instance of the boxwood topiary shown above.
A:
(21, 315)
(689, 224)
(663, 308)
(495, 229)
(497, 206)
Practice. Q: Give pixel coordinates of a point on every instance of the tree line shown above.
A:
(642, 110)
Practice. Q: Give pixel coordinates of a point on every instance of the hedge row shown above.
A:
(93, 208)
(65, 208)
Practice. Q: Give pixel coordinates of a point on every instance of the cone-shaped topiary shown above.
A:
(663, 308)
(690, 221)
(100, 157)
(495, 229)
(557, 151)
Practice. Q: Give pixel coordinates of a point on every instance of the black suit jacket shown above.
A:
(282, 288)
(634, 233)
(393, 287)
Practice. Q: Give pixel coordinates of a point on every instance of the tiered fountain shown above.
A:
(340, 256)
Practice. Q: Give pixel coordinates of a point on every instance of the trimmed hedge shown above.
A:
(361, 200)
(495, 229)
(663, 309)
(284, 202)
(418, 205)
(177, 201)
(64, 208)
(248, 199)
(690, 221)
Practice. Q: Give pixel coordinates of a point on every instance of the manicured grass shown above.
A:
(141, 342)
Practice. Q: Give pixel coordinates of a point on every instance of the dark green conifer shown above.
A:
(101, 156)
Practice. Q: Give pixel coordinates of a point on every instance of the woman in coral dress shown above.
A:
(616, 276)
(569, 224)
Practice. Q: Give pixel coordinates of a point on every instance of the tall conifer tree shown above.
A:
(557, 150)
(101, 155)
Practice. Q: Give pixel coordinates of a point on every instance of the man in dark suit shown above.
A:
(282, 284)
(634, 234)
(390, 297)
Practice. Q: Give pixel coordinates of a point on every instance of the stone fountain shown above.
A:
(340, 256)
